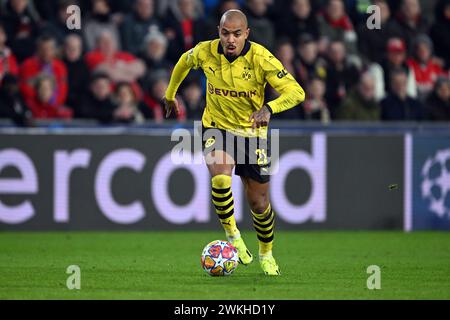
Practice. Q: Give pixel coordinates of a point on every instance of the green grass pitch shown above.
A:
(166, 265)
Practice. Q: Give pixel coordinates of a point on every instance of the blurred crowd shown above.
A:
(116, 67)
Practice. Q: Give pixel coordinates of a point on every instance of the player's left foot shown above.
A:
(245, 257)
(269, 265)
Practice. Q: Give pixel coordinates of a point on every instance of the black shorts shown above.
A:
(251, 155)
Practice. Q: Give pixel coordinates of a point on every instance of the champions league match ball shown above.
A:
(219, 258)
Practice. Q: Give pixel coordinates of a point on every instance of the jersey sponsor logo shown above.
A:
(230, 93)
(282, 73)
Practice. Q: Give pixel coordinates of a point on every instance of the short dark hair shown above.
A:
(97, 76)
(396, 72)
(282, 41)
(121, 84)
(45, 37)
(305, 38)
(65, 3)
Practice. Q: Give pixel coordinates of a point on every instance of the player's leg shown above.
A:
(263, 221)
(220, 167)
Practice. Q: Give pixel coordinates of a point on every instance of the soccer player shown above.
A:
(237, 71)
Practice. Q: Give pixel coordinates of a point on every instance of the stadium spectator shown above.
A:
(341, 76)
(262, 29)
(21, 24)
(46, 9)
(8, 62)
(335, 25)
(297, 21)
(138, 24)
(426, 8)
(409, 22)
(440, 31)
(308, 64)
(192, 95)
(398, 105)
(120, 66)
(57, 28)
(396, 60)
(152, 98)
(183, 30)
(154, 55)
(173, 6)
(402, 43)
(315, 106)
(117, 8)
(211, 20)
(438, 102)
(357, 10)
(426, 68)
(360, 104)
(12, 105)
(42, 105)
(285, 52)
(372, 42)
(97, 22)
(77, 71)
(98, 103)
(154, 52)
(120, 7)
(128, 104)
(44, 63)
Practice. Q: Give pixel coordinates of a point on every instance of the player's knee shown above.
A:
(259, 205)
(217, 170)
(221, 181)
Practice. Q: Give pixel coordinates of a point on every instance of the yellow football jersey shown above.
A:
(236, 89)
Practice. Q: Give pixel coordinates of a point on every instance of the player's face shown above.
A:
(233, 34)
(423, 52)
(444, 91)
(399, 84)
(47, 51)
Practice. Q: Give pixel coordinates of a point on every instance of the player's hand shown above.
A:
(170, 106)
(260, 118)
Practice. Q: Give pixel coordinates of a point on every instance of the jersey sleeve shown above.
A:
(188, 60)
(291, 93)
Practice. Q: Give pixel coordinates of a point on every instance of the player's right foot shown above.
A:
(269, 265)
(245, 257)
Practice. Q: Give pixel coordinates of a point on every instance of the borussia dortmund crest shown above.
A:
(246, 75)
(209, 142)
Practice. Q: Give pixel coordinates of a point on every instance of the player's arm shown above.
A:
(291, 93)
(187, 61)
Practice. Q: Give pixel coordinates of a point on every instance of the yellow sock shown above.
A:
(222, 198)
(263, 224)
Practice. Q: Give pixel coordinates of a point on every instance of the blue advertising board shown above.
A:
(430, 182)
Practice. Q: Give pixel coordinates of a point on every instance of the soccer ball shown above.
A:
(219, 258)
(436, 183)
